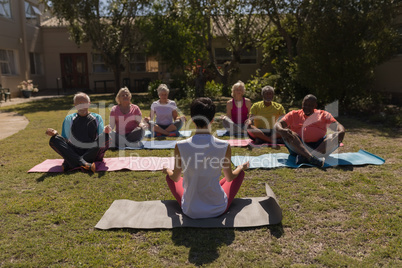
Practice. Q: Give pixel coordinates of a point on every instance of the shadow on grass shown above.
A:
(204, 243)
(353, 124)
(54, 174)
(46, 176)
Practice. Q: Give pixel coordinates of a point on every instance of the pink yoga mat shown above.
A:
(112, 164)
(239, 142)
(246, 142)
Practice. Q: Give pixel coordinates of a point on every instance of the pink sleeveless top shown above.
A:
(239, 115)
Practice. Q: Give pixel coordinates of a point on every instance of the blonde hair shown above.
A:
(81, 94)
(121, 91)
(237, 85)
(162, 87)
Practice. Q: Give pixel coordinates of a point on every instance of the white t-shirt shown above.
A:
(202, 159)
(164, 112)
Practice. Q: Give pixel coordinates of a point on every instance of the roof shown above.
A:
(54, 22)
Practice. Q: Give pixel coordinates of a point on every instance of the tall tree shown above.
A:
(241, 23)
(338, 43)
(192, 25)
(341, 44)
(109, 25)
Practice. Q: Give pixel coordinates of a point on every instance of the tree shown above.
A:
(110, 26)
(337, 45)
(241, 23)
(192, 25)
(173, 32)
(341, 44)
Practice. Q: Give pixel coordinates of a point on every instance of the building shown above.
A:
(21, 46)
(37, 47)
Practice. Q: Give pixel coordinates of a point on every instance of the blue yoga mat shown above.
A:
(285, 160)
(224, 132)
(154, 144)
(182, 133)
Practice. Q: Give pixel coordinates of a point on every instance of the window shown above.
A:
(32, 13)
(7, 62)
(35, 61)
(5, 10)
(222, 55)
(248, 56)
(138, 62)
(98, 64)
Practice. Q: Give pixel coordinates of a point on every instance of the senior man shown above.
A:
(304, 132)
(83, 140)
(263, 115)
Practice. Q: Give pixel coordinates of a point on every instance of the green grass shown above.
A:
(345, 216)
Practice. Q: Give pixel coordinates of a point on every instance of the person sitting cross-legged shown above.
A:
(237, 110)
(201, 158)
(305, 133)
(83, 139)
(263, 116)
(125, 118)
(168, 122)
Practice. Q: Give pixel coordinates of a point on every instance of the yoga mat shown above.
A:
(182, 133)
(112, 164)
(285, 160)
(154, 144)
(239, 142)
(224, 132)
(167, 214)
(254, 145)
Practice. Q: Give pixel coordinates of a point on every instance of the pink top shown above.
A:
(239, 115)
(125, 123)
(309, 128)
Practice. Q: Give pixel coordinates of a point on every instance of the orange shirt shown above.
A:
(309, 128)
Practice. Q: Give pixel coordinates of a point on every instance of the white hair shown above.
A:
(237, 85)
(81, 94)
(162, 88)
(267, 88)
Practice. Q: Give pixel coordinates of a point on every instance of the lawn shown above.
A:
(346, 216)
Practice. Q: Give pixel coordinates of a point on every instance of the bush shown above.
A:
(257, 82)
(213, 89)
(153, 85)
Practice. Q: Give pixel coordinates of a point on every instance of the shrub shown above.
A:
(213, 89)
(153, 85)
(257, 82)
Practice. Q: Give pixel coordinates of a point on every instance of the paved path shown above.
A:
(11, 123)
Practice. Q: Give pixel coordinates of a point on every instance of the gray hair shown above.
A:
(162, 88)
(121, 91)
(81, 94)
(237, 85)
(267, 88)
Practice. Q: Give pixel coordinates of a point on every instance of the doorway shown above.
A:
(74, 70)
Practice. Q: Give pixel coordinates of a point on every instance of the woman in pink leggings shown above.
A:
(201, 158)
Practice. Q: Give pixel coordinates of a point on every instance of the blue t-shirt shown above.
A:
(82, 128)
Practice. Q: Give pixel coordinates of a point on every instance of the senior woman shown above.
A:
(237, 110)
(125, 118)
(168, 122)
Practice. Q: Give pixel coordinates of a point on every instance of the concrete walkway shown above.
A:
(11, 123)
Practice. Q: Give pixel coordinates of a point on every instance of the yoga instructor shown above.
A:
(201, 158)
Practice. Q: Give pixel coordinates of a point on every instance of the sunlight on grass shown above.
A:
(346, 216)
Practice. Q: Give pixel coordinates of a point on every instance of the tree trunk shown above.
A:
(117, 76)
